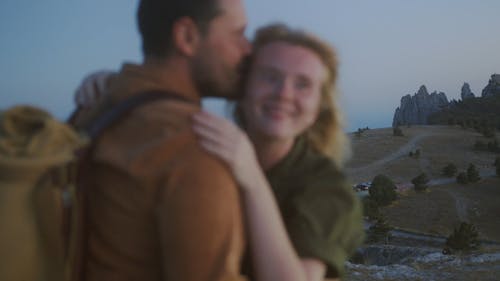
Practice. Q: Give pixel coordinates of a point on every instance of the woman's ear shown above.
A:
(186, 36)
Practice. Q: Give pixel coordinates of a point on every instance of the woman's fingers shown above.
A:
(92, 88)
(215, 122)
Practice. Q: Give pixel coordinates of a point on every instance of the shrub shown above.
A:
(497, 161)
(472, 174)
(462, 178)
(463, 238)
(371, 209)
(380, 231)
(450, 170)
(420, 182)
(498, 170)
(382, 190)
(396, 131)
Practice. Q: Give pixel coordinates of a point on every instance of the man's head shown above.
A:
(208, 34)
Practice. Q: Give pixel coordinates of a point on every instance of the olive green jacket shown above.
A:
(322, 214)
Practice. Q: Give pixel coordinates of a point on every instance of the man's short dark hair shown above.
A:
(155, 19)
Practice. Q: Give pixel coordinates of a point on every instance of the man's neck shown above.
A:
(175, 74)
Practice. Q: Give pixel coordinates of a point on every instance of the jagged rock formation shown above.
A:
(466, 92)
(493, 87)
(414, 110)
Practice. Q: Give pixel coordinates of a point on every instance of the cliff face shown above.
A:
(493, 87)
(414, 110)
(466, 92)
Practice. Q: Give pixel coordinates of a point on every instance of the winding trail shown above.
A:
(402, 151)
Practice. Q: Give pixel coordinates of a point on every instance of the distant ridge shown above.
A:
(415, 110)
(427, 109)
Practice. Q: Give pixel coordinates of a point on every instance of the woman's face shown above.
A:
(283, 91)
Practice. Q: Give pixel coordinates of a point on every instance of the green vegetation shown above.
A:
(382, 190)
(397, 132)
(462, 178)
(471, 176)
(450, 170)
(420, 182)
(472, 173)
(360, 132)
(491, 146)
(371, 209)
(497, 165)
(463, 238)
(380, 231)
(480, 114)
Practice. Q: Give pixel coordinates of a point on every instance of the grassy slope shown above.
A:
(440, 209)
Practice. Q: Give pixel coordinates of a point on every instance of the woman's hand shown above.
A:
(225, 140)
(92, 89)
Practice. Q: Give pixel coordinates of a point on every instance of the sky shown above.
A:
(387, 48)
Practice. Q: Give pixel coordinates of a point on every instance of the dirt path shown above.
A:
(461, 206)
(402, 151)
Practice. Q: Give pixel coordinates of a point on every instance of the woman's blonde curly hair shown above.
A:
(326, 135)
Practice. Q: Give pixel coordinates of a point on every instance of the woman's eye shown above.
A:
(269, 76)
(302, 84)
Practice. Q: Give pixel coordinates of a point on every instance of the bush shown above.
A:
(498, 170)
(497, 161)
(382, 190)
(462, 178)
(420, 182)
(370, 208)
(450, 170)
(396, 131)
(472, 174)
(380, 231)
(463, 238)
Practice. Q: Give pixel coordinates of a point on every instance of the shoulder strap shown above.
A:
(121, 109)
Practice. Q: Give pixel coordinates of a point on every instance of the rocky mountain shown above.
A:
(493, 87)
(414, 110)
(466, 92)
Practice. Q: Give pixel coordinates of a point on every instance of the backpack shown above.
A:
(42, 204)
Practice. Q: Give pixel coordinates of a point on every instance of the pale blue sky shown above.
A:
(387, 48)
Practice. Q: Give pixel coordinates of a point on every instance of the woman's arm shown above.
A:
(273, 255)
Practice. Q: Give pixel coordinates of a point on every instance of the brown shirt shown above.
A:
(160, 208)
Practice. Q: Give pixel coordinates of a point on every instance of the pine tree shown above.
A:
(472, 174)
(465, 237)
(450, 170)
(420, 182)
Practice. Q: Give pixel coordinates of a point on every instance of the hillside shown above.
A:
(440, 209)
(378, 151)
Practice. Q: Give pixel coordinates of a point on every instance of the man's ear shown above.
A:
(186, 36)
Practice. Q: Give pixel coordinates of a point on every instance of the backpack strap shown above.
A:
(120, 110)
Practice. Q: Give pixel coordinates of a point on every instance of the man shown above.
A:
(159, 208)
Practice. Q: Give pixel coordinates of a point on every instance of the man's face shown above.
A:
(215, 67)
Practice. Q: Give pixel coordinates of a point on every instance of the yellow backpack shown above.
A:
(42, 206)
(37, 170)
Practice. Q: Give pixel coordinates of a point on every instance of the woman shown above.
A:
(303, 219)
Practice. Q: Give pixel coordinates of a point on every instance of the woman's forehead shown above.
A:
(289, 57)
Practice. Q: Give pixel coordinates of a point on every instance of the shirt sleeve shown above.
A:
(325, 220)
(200, 223)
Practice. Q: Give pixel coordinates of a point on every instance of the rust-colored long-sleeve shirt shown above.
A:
(160, 208)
